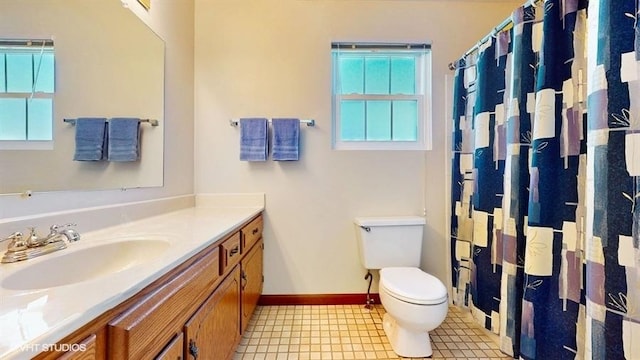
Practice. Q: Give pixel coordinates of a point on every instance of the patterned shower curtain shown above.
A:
(545, 208)
(613, 181)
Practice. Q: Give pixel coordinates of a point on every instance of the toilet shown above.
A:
(415, 302)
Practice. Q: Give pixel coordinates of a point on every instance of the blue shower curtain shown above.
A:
(613, 181)
(554, 209)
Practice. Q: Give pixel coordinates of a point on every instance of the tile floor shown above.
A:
(351, 332)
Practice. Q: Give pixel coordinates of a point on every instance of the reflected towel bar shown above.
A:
(153, 122)
(311, 122)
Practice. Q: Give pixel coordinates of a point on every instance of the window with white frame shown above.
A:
(27, 79)
(381, 96)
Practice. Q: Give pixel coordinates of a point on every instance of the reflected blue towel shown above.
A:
(253, 139)
(91, 139)
(286, 139)
(124, 139)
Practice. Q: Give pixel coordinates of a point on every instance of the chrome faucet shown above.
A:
(21, 248)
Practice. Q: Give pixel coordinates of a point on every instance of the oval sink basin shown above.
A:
(71, 266)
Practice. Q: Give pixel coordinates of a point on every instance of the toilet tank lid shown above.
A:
(390, 220)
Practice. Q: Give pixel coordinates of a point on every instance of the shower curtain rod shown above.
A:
(505, 24)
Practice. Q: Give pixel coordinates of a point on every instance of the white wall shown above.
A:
(271, 58)
(173, 22)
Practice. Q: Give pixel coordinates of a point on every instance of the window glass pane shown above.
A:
(352, 120)
(376, 75)
(2, 76)
(379, 120)
(13, 119)
(45, 73)
(40, 119)
(405, 120)
(403, 75)
(351, 70)
(19, 72)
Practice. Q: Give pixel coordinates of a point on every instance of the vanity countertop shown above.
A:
(30, 320)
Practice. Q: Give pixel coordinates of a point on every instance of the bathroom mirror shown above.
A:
(108, 63)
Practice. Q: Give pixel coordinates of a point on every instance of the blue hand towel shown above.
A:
(253, 139)
(286, 139)
(124, 139)
(91, 139)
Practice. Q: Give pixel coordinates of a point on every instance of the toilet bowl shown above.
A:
(415, 303)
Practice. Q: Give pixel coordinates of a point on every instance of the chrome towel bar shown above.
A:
(311, 122)
(153, 122)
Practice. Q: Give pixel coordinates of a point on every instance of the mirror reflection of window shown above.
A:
(27, 84)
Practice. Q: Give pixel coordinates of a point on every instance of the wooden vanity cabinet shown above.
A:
(200, 307)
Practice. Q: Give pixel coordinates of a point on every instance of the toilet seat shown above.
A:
(413, 285)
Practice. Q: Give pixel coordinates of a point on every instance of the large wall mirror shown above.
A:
(108, 63)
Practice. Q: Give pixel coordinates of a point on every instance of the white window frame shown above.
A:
(33, 46)
(422, 52)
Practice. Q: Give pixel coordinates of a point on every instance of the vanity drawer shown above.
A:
(149, 324)
(251, 233)
(230, 252)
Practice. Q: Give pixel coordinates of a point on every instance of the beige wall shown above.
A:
(271, 58)
(173, 21)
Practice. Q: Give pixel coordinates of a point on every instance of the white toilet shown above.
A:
(415, 302)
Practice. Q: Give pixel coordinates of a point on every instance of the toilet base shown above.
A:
(405, 342)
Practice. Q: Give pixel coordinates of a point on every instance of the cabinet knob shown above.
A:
(243, 275)
(255, 231)
(193, 349)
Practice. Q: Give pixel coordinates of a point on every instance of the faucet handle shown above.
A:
(72, 235)
(14, 236)
(17, 242)
(54, 228)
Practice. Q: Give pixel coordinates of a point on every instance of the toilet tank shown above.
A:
(389, 241)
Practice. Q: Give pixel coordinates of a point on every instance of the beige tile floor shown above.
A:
(351, 332)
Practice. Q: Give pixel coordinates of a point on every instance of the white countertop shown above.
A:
(33, 319)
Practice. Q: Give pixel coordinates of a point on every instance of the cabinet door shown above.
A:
(251, 288)
(173, 351)
(214, 330)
